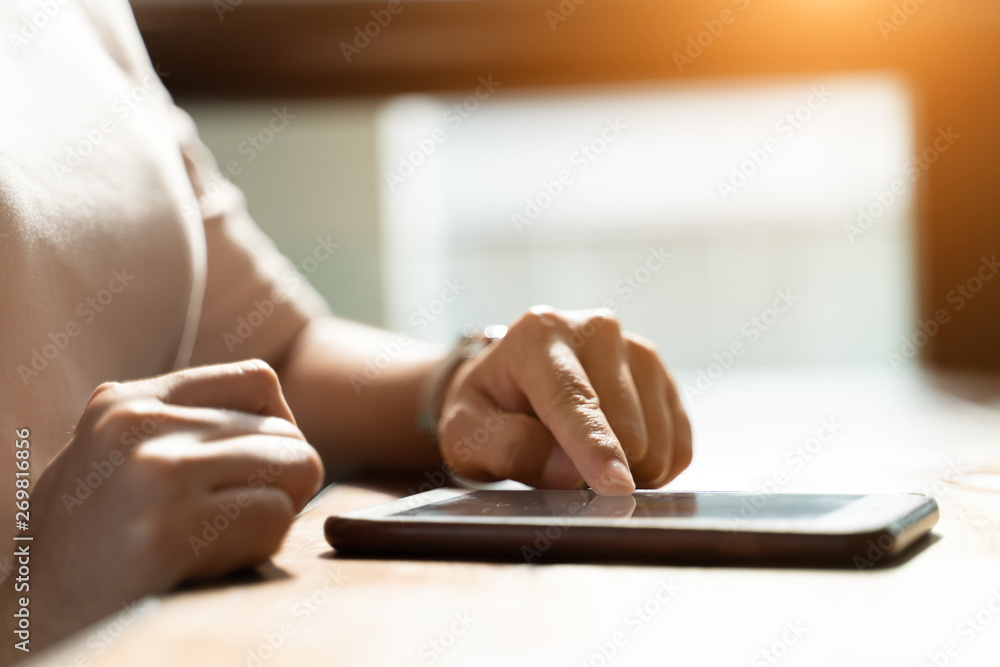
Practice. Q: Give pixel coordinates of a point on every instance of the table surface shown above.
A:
(894, 432)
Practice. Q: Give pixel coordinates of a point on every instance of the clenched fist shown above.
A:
(182, 476)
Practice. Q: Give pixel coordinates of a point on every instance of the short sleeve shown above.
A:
(255, 301)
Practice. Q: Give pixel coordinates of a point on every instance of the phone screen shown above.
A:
(542, 504)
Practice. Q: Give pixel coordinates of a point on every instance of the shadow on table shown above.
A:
(744, 562)
(263, 573)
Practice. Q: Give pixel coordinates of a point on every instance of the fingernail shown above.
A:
(618, 475)
(559, 471)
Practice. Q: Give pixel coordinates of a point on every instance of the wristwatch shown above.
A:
(472, 343)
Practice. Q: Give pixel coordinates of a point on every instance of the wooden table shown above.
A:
(894, 433)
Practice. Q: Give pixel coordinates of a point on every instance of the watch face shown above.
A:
(474, 342)
(494, 332)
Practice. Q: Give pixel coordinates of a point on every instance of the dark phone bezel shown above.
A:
(412, 538)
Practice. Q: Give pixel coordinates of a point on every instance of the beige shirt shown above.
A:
(123, 254)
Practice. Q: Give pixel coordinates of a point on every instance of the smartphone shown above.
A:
(648, 526)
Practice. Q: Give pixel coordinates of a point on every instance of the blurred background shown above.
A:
(790, 182)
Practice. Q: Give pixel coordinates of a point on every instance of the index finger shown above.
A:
(246, 386)
(562, 397)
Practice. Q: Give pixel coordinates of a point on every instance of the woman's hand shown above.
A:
(566, 398)
(182, 476)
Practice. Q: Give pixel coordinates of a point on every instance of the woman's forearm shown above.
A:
(356, 392)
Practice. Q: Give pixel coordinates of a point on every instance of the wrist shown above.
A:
(436, 386)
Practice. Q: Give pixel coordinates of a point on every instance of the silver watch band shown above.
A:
(468, 346)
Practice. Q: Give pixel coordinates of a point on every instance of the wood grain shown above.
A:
(896, 433)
